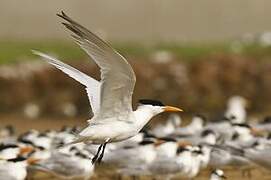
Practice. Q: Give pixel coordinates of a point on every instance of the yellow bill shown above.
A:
(172, 109)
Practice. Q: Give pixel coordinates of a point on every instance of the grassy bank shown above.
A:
(12, 51)
(217, 72)
(17, 51)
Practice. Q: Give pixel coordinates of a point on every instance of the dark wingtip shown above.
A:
(65, 24)
(60, 145)
(61, 13)
(63, 16)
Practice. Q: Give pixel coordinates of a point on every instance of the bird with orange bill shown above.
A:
(110, 98)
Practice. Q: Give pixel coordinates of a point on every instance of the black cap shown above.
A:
(242, 125)
(7, 146)
(266, 120)
(181, 149)
(17, 159)
(151, 102)
(206, 132)
(146, 142)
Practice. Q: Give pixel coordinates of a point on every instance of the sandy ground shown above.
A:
(230, 172)
(104, 173)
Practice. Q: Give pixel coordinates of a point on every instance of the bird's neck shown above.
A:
(210, 139)
(167, 149)
(245, 137)
(196, 125)
(142, 116)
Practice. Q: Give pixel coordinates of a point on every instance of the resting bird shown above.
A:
(217, 174)
(110, 98)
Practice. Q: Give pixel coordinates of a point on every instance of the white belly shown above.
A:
(115, 131)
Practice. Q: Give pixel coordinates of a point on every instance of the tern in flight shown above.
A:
(110, 98)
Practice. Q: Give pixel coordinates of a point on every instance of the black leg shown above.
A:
(97, 154)
(134, 177)
(102, 154)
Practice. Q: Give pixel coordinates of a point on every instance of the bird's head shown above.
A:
(219, 174)
(157, 107)
(238, 101)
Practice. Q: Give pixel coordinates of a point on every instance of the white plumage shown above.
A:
(110, 99)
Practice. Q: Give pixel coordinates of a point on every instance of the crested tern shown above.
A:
(110, 98)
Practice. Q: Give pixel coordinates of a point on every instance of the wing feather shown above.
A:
(117, 76)
(91, 84)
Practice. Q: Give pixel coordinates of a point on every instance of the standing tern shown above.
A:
(173, 122)
(217, 174)
(259, 154)
(194, 127)
(75, 164)
(110, 99)
(13, 169)
(236, 110)
(264, 125)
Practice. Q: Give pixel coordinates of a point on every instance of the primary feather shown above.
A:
(92, 85)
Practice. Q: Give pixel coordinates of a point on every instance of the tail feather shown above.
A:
(76, 141)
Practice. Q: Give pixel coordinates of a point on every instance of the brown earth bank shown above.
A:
(200, 86)
(230, 172)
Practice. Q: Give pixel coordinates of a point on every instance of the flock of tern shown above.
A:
(116, 137)
(166, 150)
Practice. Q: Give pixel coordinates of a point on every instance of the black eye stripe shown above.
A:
(207, 132)
(167, 139)
(25, 141)
(146, 142)
(6, 146)
(181, 149)
(151, 102)
(17, 159)
(241, 125)
(81, 155)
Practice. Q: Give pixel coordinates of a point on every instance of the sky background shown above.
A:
(138, 20)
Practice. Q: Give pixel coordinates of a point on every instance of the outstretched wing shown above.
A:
(117, 76)
(92, 85)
